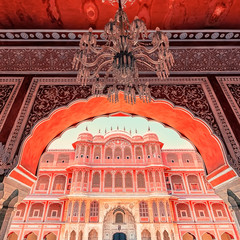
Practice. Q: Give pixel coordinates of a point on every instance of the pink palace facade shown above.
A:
(118, 186)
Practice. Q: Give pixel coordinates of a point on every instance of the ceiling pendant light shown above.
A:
(121, 57)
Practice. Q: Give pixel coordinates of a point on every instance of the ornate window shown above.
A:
(118, 153)
(79, 177)
(157, 177)
(119, 218)
(108, 180)
(155, 210)
(128, 180)
(94, 209)
(93, 235)
(118, 180)
(96, 180)
(201, 210)
(150, 177)
(69, 209)
(143, 209)
(168, 209)
(165, 235)
(140, 180)
(193, 183)
(183, 210)
(162, 209)
(59, 183)
(218, 210)
(83, 207)
(145, 235)
(177, 183)
(138, 152)
(63, 158)
(73, 235)
(127, 153)
(187, 158)
(97, 152)
(48, 158)
(108, 153)
(43, 182)
(36, 210)
(54, 210)
(20, 210)
(75, 211)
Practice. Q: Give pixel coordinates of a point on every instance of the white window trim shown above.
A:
(219, 211)
(183, 211)
(56, 211)
(201, 211)
(36, 211)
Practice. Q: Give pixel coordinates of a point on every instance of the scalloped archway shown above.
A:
(196, 130)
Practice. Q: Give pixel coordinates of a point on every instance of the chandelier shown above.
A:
(121, 57)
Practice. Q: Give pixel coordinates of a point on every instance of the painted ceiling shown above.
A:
(82, 14)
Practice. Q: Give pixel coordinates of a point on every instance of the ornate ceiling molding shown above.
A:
(192, 93)
(58, 60)
(46, 35)
(231, 89)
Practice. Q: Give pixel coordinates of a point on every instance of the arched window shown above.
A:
(108, 153)
(119, 218)
(82, 212)
(158, 235)
(140, 180)
(69, 209)
(151, 177)
(59, 183)
(96, 180)
(165, 235)
(50, 236)
(94, 209)
(219, 210)
(79, 177)
(128, 180)
(138, 152)
(187, 158)
(193, 183)
(80, 235)
(75, 212)
(97, 152)
(172, 158)
(188, 236)
(86, 178)
(183, 210)
(207, 236)
(168, 209)
(54, 210)
(31, 236)
(108, 180)
(145, 235)
(12, 236)
(42, 183)
(93, 235)
(143, 209)
(63, 158)
(157, 177)
(147, 147)
(36, 210)
(226, 236)
(82, 151)
(48, 158)
(201, 210)
(20, 210)
(118, 180)
(118, 153)
(153, 150)
(155, 211)
(127, 153)
(88, 152)
(73, 235)
(162, 211)
(177, 183)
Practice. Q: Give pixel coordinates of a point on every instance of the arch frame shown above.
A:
(158, 111)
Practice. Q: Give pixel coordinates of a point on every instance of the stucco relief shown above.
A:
(231, 89)
(59, 59)
(8, 91)
(194, 94)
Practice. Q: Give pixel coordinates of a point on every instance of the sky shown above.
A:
(166, 135)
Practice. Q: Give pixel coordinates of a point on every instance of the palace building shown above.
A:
(120, 186)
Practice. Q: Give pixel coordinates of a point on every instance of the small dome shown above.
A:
(86, 136)
(137, 138)
(98, 138)
(150, 137)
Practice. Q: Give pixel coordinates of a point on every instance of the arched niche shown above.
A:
(196, 130)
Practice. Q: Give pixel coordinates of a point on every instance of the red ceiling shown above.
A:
(81, 14)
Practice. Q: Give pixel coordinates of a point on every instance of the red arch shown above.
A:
(178, 118)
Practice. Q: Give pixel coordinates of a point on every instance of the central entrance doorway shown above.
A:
(119, 236)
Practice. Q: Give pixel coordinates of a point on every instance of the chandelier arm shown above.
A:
(103, 49)
(99, 68)
(144, 63)
(147, 58)
(92, 64)
(143, 48)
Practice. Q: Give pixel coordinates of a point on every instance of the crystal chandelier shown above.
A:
(121, 57)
